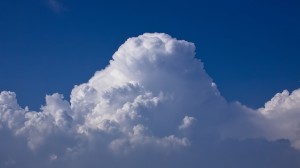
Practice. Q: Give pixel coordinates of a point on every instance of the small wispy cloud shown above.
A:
(56, 6)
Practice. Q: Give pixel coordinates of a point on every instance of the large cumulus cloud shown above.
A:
(152, 106)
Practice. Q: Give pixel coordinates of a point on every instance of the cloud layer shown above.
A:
(152, 106)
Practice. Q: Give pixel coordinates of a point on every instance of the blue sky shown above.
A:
(153, 104)
(250, 48)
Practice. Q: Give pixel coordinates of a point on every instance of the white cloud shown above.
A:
(153, 104)
(148, 84)
(282, 117)
(12, 115)
(187, 122)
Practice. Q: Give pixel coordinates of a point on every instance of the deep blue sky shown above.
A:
(251, 49)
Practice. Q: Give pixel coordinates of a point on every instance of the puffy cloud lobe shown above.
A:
(282, 117)
(187, 122)
(12, 115)
(152, 106)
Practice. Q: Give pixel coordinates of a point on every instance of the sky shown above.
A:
(250, 49)
(167, 83)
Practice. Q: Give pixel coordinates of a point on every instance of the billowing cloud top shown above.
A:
(152, 106)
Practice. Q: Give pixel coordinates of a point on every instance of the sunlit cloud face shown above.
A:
(152, 106)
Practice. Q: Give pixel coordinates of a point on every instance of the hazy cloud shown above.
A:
(55, 6)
